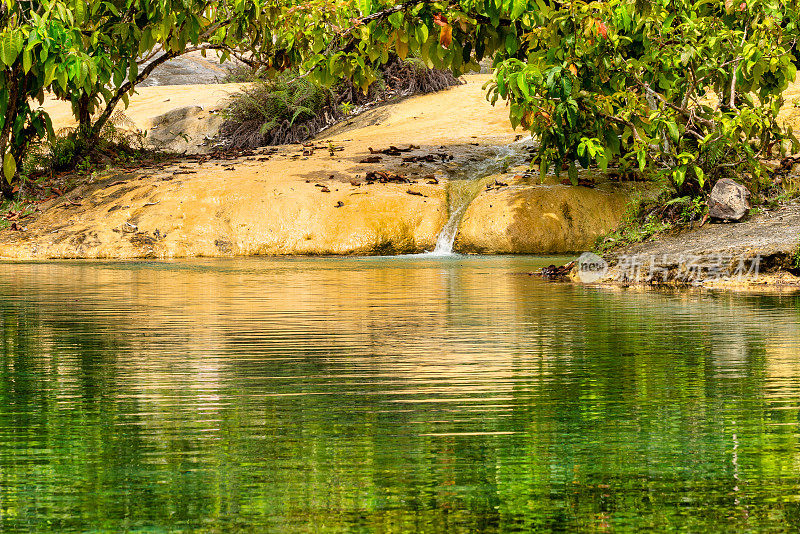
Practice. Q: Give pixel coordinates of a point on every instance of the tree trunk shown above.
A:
(84, 116)
(128, 86)
(6, 188)
(6, 135)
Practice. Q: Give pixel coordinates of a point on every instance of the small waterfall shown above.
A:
(466, 183)
(444, 243)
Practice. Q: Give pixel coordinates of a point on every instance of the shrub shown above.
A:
(289, 108)
(285, 109)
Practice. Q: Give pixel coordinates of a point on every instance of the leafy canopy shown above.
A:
(686, 89)
(94, 53)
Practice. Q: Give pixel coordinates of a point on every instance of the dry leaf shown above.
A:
(446, 35)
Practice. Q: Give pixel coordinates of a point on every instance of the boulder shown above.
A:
(539, 219)
(184, 130)
(728, 201)
(191, 69)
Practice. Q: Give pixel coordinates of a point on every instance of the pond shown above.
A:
(415, 394)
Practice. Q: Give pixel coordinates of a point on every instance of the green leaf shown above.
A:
(701, 176)
(80, 11)
(84, 73)
(421, 33)
(572, 115)
(63, 78)
(523, 86)
(512, 44)
(519, 7)
(10, 51)
(679, 175)
(118, 77)
(19, 42)
(612, 141)
(602, 161)
(27, 61)
(49, 70)
(9, 167)
(674, 135)
(573, 173)
(566, 88)
(396, 19)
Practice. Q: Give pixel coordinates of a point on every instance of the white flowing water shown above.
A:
(447, 237)
(467, 182)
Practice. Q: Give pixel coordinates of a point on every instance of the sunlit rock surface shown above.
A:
(540, 219)
(175, 118)
(225, 208)
(291, 202)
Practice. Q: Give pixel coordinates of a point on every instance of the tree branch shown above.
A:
(214, 27)
(234, 53)
(127, 87)
(373, 17)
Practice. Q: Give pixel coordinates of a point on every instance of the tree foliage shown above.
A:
(690, 88)
(683, 88)
(123, 41)
(94, 53)
(29, 46)
(686, 89)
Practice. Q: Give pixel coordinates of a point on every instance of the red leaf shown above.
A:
(446, 35)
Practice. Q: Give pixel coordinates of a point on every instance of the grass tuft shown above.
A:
(647, 218)
(290, 109)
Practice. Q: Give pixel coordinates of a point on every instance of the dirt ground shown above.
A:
(756, 254)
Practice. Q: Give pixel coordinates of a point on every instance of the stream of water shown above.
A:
(396, 395)
(467, 182)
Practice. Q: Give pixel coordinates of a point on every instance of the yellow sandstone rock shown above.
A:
(295, 203)
(540, 219)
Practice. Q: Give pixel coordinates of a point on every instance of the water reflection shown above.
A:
(396, 395)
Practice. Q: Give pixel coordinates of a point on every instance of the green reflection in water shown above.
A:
(389, 395)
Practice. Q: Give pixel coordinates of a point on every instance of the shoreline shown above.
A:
(774, 281)
(386, 182)
(348, 194)
(762, 251)
(779, 282)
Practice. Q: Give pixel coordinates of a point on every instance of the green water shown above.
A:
(389, 395)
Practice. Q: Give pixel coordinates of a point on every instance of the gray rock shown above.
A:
(185, 130)
(191, 69)
(175, 115)
(728, 201)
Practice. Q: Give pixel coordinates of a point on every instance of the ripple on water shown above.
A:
(390, 394)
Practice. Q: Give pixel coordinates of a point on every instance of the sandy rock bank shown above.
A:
(540, 219)
(295, 200)
(759, 253)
